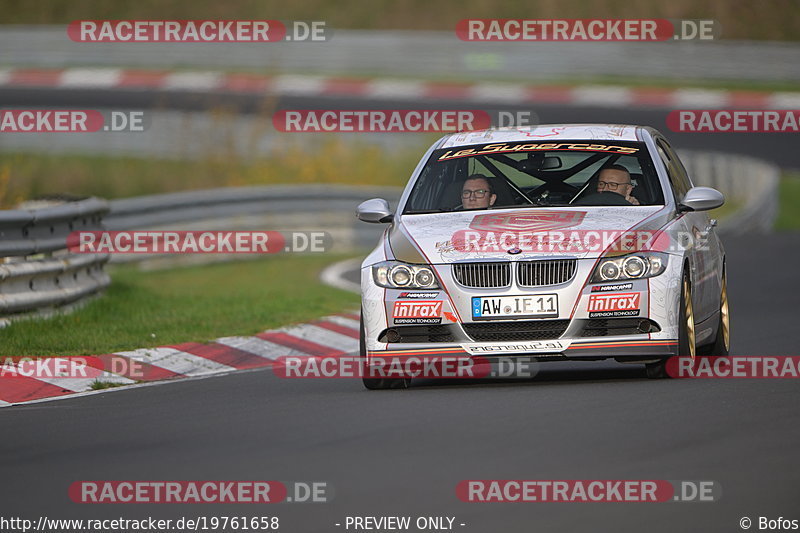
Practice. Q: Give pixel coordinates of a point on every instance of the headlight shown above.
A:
(397, 275)
(633, 266)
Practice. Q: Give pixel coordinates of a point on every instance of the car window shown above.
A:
(678, 177)
(533, 174)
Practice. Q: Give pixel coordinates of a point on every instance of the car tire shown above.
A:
(376, 383)
(722, 342)
(686, 333)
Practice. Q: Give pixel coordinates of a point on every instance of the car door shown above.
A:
(709, 251)
(697, 229)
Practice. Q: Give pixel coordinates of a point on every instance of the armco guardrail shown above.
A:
(747, 182)
(323, 207)
(160, 209)
(37, 273)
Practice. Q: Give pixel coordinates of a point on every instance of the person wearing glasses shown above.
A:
(477, 192)
(616, 178)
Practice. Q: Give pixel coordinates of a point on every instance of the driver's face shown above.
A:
(475, 194)
(614, 180)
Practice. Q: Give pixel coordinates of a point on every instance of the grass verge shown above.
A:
(144, 309)
(789, 202)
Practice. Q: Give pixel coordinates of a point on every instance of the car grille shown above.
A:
(603, 327)
(547, 272)
(529, 330)
(483, 275)
(436, 333)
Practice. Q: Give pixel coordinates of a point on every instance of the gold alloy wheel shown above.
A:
(723, 310)
(689, 315)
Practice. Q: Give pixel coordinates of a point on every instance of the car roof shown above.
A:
(546, 133)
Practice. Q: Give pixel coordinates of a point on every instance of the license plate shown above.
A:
(535, 306)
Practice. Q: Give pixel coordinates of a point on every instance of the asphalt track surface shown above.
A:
(403, 452)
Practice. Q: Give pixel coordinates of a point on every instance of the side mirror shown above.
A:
(701, 199)
(375, 211)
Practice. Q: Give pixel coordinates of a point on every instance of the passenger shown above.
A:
(477, 192)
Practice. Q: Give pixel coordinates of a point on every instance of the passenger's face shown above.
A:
(615, 181)
(476, 195)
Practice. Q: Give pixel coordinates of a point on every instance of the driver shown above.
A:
(477, 192)
(616, 178)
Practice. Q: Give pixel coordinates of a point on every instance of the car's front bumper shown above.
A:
(645, 333)
(629, 349)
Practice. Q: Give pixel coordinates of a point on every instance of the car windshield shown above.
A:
(547, 174)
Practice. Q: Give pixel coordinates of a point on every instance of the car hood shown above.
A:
(529, 233)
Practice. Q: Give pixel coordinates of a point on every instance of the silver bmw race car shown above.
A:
(559, 242)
